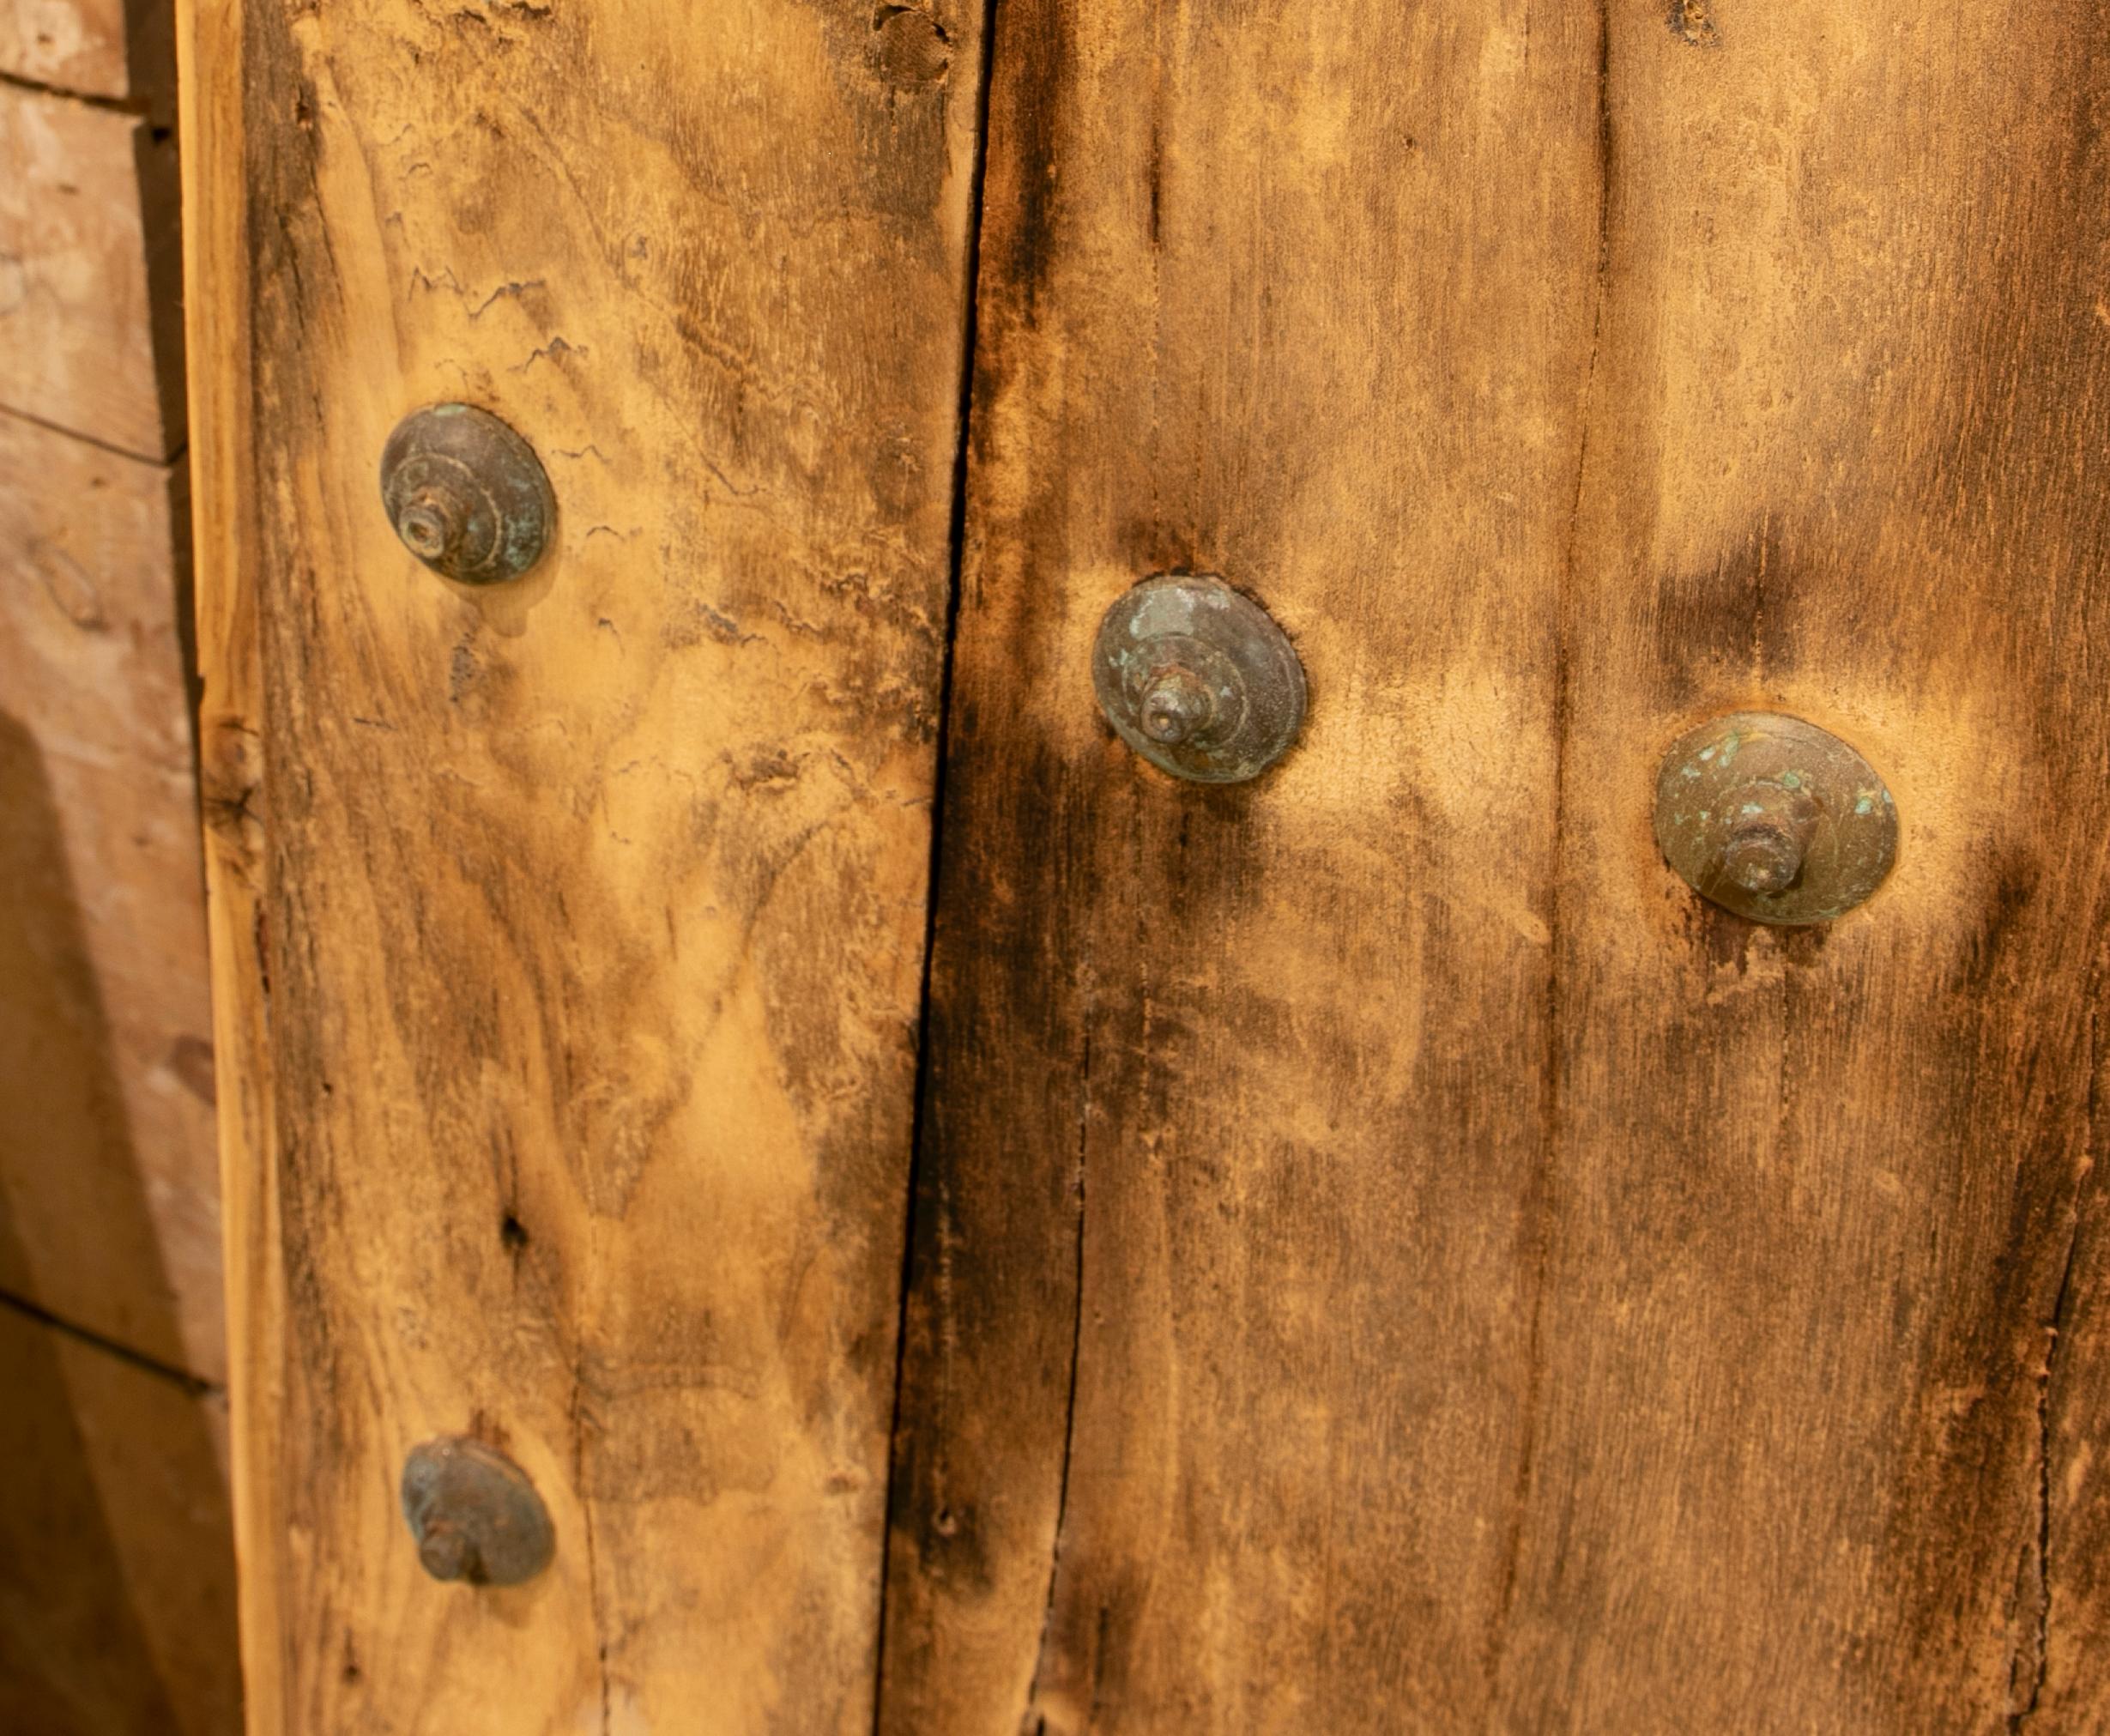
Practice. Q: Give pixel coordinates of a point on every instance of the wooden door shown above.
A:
(1367, 1249)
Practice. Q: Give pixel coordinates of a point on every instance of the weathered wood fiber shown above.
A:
(217, 326)
(572, 1028)
(1219, 1341)
(107, 1175)
(1810, 1302)
(91, 336)
(1386, 1258)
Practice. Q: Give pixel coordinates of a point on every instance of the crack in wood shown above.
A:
(1069, 1411)
(955, 554)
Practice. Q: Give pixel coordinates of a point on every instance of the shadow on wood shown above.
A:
(116, 1593)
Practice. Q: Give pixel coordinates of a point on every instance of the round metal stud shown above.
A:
(1775, 819)
(1198, 680)
(473, 1514)
(467, 494)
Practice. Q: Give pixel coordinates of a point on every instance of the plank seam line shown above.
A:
(196, 1385)
(956, 557)
(15, 413)
(136, 107)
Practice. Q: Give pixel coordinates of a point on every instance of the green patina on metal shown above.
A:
(1801, 831)
(467, 495)
(1198, 679)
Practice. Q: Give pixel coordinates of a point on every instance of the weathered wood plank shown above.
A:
(230, 709)
(1812, 1205)
(1219, 1336)
(91, 335)
(117, 1579)
(591, 913)
(106, 1165)
(1385, 1256)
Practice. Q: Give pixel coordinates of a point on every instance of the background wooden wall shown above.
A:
(116, 1564)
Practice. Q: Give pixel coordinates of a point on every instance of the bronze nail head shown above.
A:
(1198, 679)
(1775, 819)
(467, 494)
(473, 1514)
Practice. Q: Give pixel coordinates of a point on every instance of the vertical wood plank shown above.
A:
(1322, 1317)
(571, 934)
(1812, 1207)
(1220, 1351)
(227, 575)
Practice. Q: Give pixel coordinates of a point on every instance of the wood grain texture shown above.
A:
(574, 1021)
(107, 1174)
(1386, 1257)
(91, 335)
(1810, 1212)
(1218, 1356)
(232, 804)
(117, 1579)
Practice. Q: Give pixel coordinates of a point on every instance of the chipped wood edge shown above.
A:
(231, 788)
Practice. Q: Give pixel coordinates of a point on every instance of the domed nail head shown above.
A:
(1198, 680)
(1775, 819)
(467, 495)
(473, 1514)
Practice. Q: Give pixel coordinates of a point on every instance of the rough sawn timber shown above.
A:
(1219, 1358)
(569, 937)
(1386, 1257)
